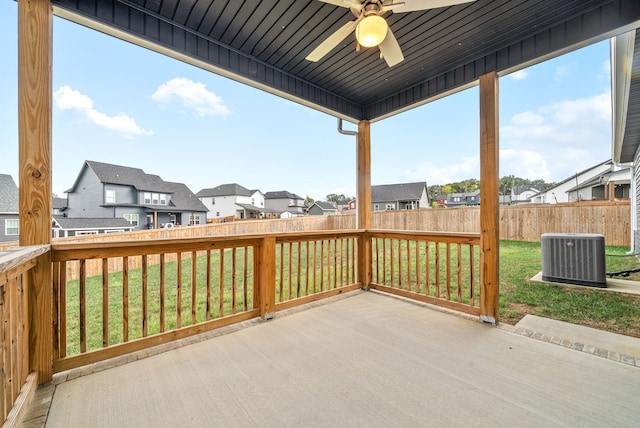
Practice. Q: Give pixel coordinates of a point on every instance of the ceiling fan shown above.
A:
(371, 29)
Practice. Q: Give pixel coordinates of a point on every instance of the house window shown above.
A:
(376, 207)
(172, 218)
(456, 199)
(110, 196)
(390, 207)
(217, 213)
(11, 226)
(132, 218)
(163, 199)
(194, 219)
(155, 198)
(86, 232)
(147, 198)
(213, 201)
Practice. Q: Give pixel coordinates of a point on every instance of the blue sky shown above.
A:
(118, 103)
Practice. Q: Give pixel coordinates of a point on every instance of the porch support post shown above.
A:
(489, 203)
(267, 277)
(35, 28)
(363, 202)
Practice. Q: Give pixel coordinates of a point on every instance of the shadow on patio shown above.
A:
(364, 359)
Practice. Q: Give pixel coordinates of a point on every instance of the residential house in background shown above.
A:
(586, 185)
(232, 200)
(523, 193)
(64, 226)
(322, 208)
(287, 203)
(453, 200)
(9, 220)
(145, 200)
(59, 205)
(401, 196)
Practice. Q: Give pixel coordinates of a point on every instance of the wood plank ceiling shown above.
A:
(264, 43)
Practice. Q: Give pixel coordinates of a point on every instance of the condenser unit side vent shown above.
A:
(574, 258)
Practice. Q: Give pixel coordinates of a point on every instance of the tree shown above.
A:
(338, 199)
(308, 201)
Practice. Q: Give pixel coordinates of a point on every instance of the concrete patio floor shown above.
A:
(364, 360)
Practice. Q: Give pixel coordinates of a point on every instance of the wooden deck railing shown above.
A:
(113, 298)
(17, 382)
(314, 265)
(437, 268)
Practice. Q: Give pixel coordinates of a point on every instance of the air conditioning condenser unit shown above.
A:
(574, 258)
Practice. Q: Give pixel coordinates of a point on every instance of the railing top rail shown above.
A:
(469, 238)
(106, 249)
(18, 256)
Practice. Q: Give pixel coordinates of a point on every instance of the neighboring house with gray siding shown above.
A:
(146, 201)
(284, 202)
(401, 196)
(9, 219)
(322, 208)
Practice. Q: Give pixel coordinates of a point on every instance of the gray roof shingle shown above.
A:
(231, 189)
(92, 223)
(282, 194)
(397, 192)
(117, 174)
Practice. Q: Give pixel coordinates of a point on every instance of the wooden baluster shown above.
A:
(391, 256)
(322, 265)
(178, 290)
(281, 285)
(384, 261)
(448, 271)
(417, 268)
(335, 263)
(83, 307)
(194, 286)
(56, 311)
(245, 277)
(221, 285)
(234, 288)
(437, 284)
(472, 295)
(298, 269)
(427, 267)
(63, 309)
(145, 296)
(105, 302)
(162, 293)
(125, 299)
(306, 273)
(459, 273)
(290, 270)
(315, 256)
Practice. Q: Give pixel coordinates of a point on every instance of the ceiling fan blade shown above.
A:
(390, 49)
(400, 6)
(332, 41)
(344, 3)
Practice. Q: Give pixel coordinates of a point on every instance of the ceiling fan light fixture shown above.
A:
(371, 31)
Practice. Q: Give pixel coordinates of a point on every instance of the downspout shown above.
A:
(355, 134)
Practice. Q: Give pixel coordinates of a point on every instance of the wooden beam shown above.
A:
(35, 23)
(489, 203)
(363, 202)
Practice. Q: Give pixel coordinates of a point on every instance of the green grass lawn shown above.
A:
(606, 310)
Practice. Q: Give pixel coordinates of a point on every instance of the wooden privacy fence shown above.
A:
(17, 382)
(525, 222)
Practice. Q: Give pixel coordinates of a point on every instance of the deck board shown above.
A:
(366, 360)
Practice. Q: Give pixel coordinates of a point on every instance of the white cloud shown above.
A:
(466, 167)
(193, 96)
(519, 75)
(557, 139)
(67, 98)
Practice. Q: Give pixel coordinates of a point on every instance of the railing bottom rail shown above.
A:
(460, 307)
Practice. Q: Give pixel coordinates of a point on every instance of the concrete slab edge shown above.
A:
(576, 346)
